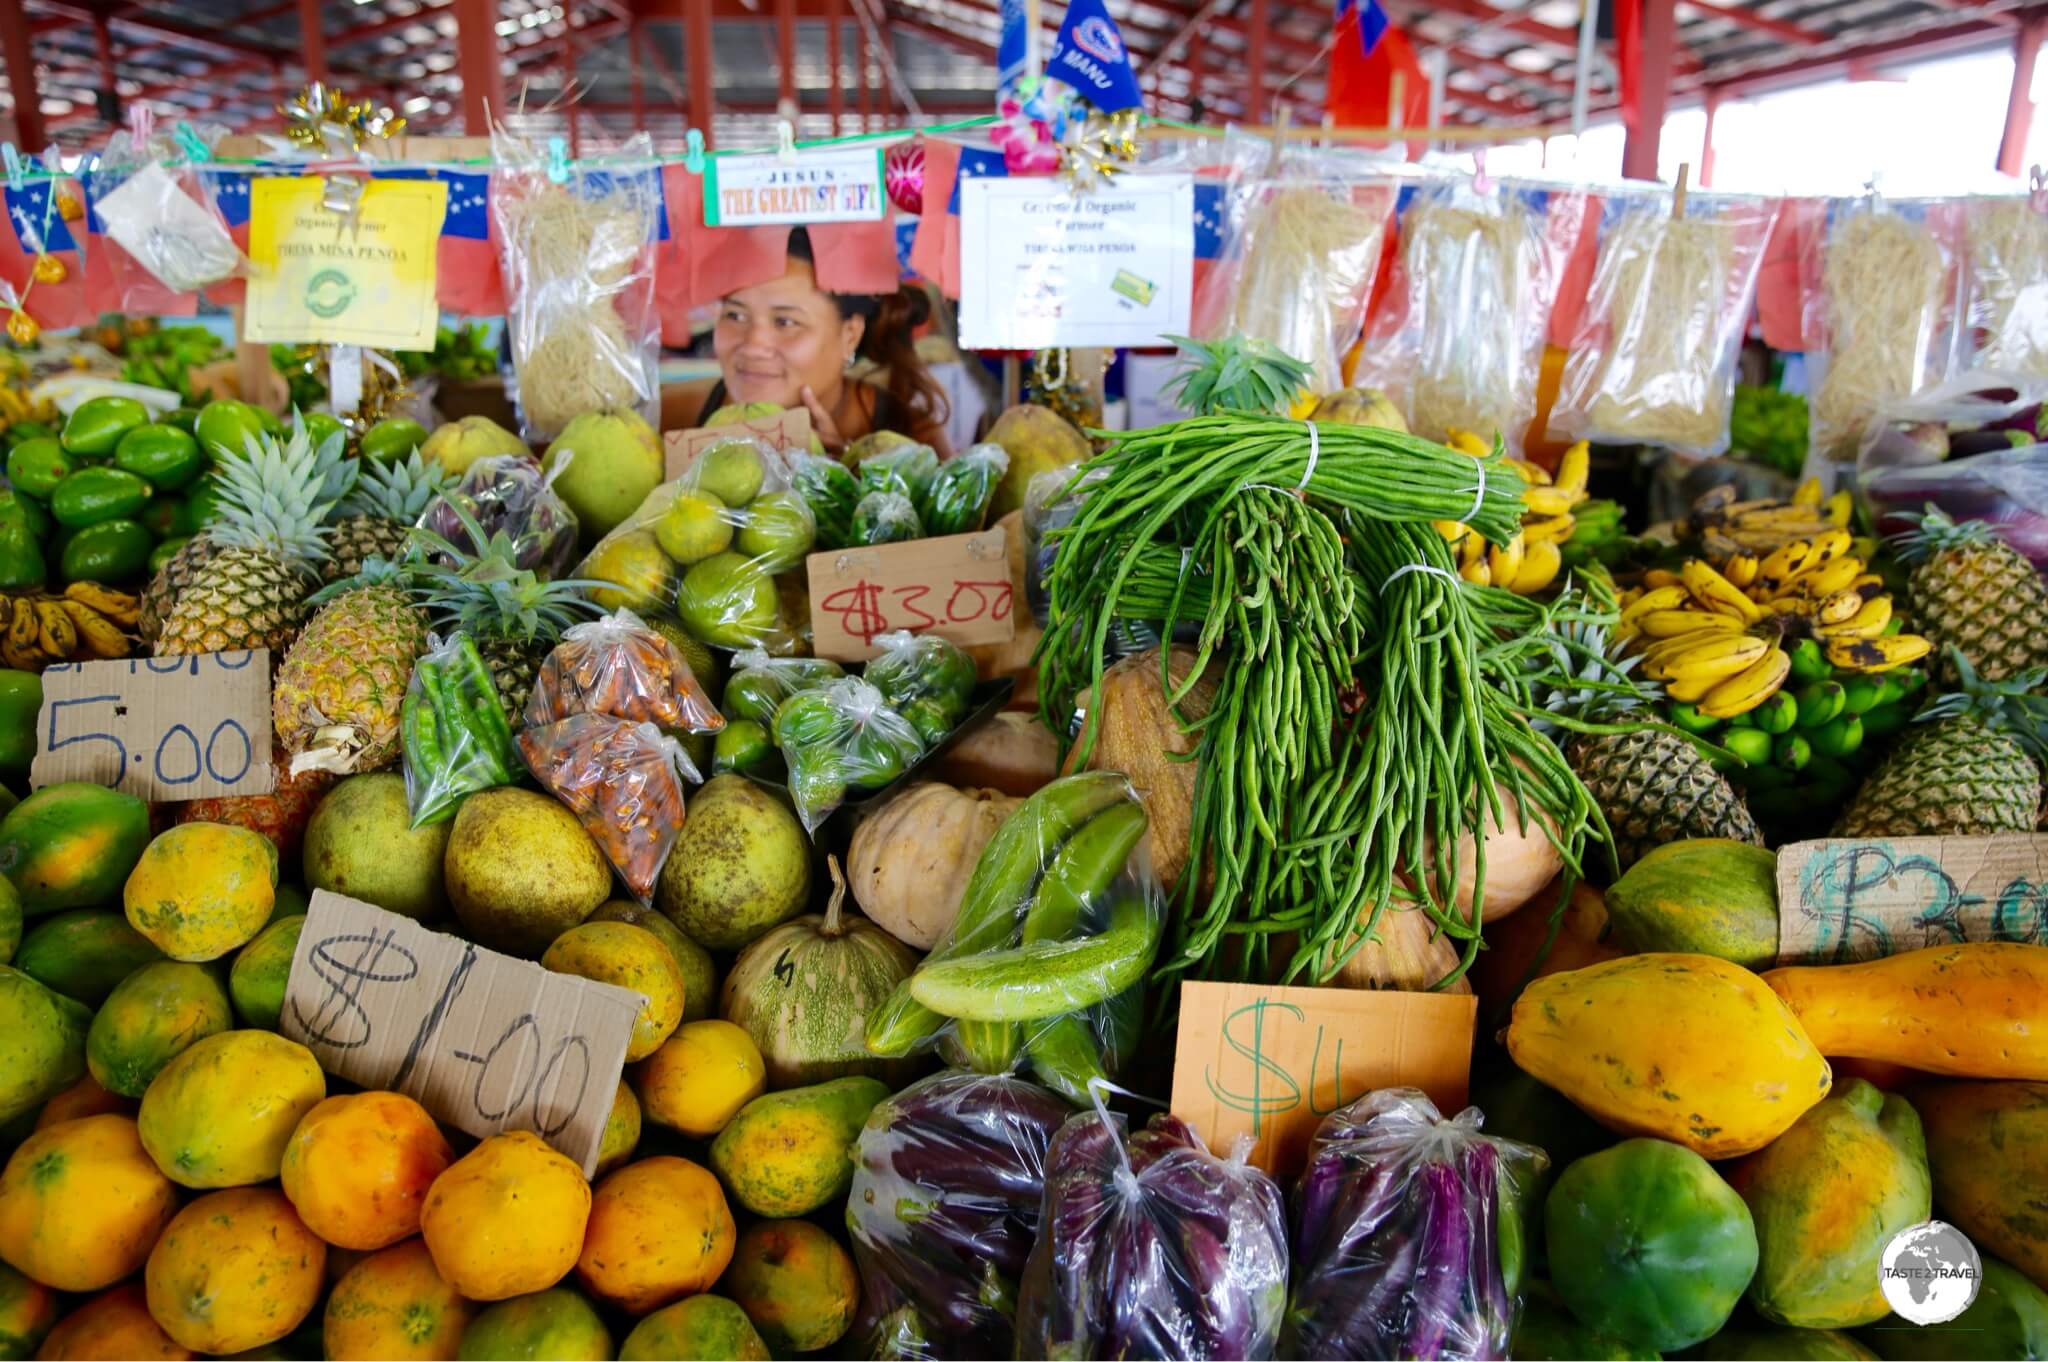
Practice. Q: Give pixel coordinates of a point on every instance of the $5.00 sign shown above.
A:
(957, 587)
(481, 1040)
(163, 728)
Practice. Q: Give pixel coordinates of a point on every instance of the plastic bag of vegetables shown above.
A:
(452, 725)
(948, 1178)
(1057, 927)
(1408, 1233)
(1153, 1248)
(624, 783)
(760, 683)
(886, 518)
(509, 495)
(837, 737)
(620, 667)
(925, 678)
(828, 487)
(907, 469)
(962, 489)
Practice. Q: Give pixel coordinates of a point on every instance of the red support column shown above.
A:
(19, 50)
(569, 108)
(785, 58)
(313, 41)
(1255, 66)
(2019, 105)
(1706, 177)
(835, 93)
(867, 92)
(634, 86)
(697, 22)
(110, 76)
(1653, 81)
(480, 60)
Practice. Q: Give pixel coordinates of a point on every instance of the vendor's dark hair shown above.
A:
(889, 339)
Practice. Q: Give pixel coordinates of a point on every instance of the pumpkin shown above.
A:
(393, 1304)
(1406, 953)
(1135, 734)
(358, 1168)
(115, 1323)
(1688, 1048)
(1012, 753)
(234, 1270)
(659, 1230)
(911, 858)
(1013, 656)
(1515, 944)
(506, 1218)
(1520, 860)
(81, 1203)
(1969, 1011)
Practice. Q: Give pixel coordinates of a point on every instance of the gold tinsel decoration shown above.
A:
(323, 119)
(1098, 147)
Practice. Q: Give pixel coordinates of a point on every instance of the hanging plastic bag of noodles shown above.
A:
(577, 251)
(1886, 313)
(1654, 356)
(1300, 247)
(2007, 283)
(1469, 294)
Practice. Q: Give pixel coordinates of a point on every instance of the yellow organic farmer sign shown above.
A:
(324, 276)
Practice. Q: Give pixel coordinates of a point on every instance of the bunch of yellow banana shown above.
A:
(1530, 561)
(17, 406)
(1718, 638)
(1725, 527)
(88, 622)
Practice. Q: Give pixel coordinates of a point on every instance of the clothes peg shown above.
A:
(693, 153)
(785, 142)
(189, 143)
(558, 160)
(15, 169)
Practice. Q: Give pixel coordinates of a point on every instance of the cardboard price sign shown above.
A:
(787, 429)
(1273, 1062)
(164, 728)
(1844, 899)
(957, 587)
(481, 1040)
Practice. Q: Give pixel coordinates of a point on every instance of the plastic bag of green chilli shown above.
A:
(906, 469)
(456, 735)
(1043, 967)
(927, 679)
(837, 738)
(886, 518)
(961, 492)
(760, 683)
(828, 487)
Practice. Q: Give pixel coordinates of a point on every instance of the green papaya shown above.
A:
(2009, 1318)
(150, 1019)
(1983, 1140)
(72, 845)
(261, 970)
(1781, 1345)
(1702, 896)
(1546, 1332)
(84, 953)
(42, 1043)
(21, 702)
(790, 1153)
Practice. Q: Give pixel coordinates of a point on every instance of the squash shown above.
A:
(1013, 753)
(1137, 735)
(796, 1284)
(1013, 657)
(114, 1323)
(359, 1166)
(791, 1153)
(81, 1204)
(803, 992)
(1986, 1142)
(1712, 895)
(1515, 944)
(1406, 953)
(910, 858)
(234, 1270)
(659, 1230)
(1520, 860)
(393, 1304)
(1827, 1196)
(506, 1218)
(1688, 1048)
(1978, 1010)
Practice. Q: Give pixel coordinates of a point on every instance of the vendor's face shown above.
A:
(774, 339)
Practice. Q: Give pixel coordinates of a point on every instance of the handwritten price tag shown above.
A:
(1273, 1062)
(1848, 899)
(164, 728)
(787, 430)
(481, 1040)
(957, 587)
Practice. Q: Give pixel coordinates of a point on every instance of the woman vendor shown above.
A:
(789, 342)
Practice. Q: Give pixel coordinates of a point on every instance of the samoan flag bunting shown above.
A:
(466, 279)
(36, 227)
(1372, 23)
(229, 190)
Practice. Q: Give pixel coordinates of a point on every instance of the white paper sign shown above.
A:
(1042, 266)
(836, 184)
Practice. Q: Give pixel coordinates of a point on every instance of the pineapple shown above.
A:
(1972, 769)
(376, 519)
(1651, 785)
(270, 537)
(335, 703)
(281, 815)
(170, 582)
(512, 616)
(1974, 592)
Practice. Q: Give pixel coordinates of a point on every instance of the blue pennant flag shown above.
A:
(1013, 48)
(1372, 22)
(1089, 54)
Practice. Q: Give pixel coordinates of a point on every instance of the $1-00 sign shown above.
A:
(958, 587)
(481, 1040)
(163, 728)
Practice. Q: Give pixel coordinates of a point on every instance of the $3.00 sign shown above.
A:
(481, 1040)
(958, 587)
(1273, 1062)
(163, 728)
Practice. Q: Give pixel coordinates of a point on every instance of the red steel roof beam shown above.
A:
(697, 42)
(313, 40)
(1653, 89)
(479, 58)
(18, 49)
(2019, 103)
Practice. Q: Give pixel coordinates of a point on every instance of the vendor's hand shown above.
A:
(822, 424)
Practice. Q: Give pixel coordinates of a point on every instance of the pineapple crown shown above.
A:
(396, 490)
(278, 496)
(1576, 680)
(486, 593)
(2011, 706)
(377, 570)
(1934, 531)
(1237, 373)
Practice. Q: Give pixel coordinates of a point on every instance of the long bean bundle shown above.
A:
(1366, 716)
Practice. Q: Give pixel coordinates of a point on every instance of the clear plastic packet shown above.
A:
(925, 678)
(2007, 490)
(909, 469)
(760, 683)
(704, 548)
(2007, 283)
(1051, 501)
(576, 248)
(886, 518)
(620, 667)
(624, 783)
(162, 236)
(1153, 1247)
(456, 737)
(1653, 359)
(839, 737)
(829, 488)
(1044, 963)
(1468, 308)
(1408, 1233)
(961, 492)
(505, 494)
(948, 1179)
(1885, 314)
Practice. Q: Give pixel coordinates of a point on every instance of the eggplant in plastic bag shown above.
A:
(1408, 1233)
(509, 495)
(1155, 1249)
(948, 1179)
